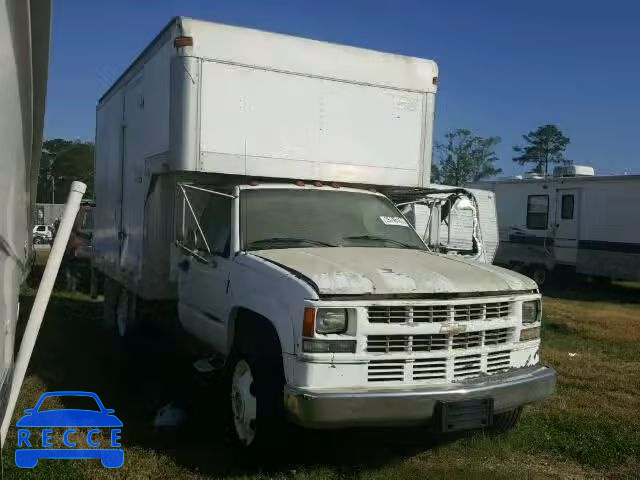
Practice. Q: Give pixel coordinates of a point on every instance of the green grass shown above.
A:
(589, 429)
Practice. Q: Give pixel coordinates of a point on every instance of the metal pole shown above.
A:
(42, 299)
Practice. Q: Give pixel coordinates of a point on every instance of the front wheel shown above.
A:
(256, 406)
(503, 422)
(244, 403)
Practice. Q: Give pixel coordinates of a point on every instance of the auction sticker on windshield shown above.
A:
(69, 433)
(398, 221)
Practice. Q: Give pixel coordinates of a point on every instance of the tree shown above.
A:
(64, 161)
(543, 146)
(465, 158)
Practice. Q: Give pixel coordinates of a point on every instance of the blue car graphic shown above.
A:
(68, 418)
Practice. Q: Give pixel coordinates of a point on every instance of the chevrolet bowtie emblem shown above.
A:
(453, 329)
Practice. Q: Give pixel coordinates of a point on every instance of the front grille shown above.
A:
(497, 310)
(498, 361)
(466, 366)
(438, 341)
(467, 340)
(429, 369)
(498, 336)
(431, 313)
(386, 370)
(463, 341)
(406, 343)
(389, 314)
(438, 313)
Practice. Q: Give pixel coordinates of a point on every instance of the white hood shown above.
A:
(360, 270)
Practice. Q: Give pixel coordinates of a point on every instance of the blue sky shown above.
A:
(506, 66)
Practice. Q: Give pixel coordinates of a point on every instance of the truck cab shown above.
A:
(360, 322)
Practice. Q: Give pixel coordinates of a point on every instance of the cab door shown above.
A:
(204, 274)
(566, 234)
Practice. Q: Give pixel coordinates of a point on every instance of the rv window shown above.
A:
(537, 212)
(567, 207)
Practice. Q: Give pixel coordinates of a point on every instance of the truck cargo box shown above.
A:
(247, 102)
(205, 98)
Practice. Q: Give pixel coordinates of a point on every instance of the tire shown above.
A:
(504, 422)
(255, 380)
(94, 281)
(111, 291)
(120, 310)
(539, 275)
(127, 323)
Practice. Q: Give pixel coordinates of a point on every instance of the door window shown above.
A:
(203, 221)
(216, 224)
(537, 212)
(566, 210)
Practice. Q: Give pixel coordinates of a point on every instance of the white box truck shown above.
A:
(238, 176)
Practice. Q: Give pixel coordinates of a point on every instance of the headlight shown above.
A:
(531, 311)
(331, 320)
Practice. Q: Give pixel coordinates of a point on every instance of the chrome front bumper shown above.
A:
(333, 408)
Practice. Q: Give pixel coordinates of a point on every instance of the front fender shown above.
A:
(272, 292)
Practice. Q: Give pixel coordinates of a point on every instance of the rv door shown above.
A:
(566, 226)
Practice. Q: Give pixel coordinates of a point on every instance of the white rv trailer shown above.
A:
(575, 220)
(235, 172)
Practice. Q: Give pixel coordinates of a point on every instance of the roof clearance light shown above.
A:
(180, 42)
(435, 80)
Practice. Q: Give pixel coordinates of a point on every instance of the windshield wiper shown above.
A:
(288, 240)
(382, 239)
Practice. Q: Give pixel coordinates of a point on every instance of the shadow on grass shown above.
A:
(574, 287)
(76, 352)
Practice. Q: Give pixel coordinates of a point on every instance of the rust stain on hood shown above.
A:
(361, 270)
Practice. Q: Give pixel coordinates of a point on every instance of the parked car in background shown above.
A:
(42, 234)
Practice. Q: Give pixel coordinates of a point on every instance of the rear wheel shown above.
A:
(122, 314)
(503, 422)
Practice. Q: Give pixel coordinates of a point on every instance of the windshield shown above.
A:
(289, 218)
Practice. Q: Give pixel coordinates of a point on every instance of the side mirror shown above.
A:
(29, 411)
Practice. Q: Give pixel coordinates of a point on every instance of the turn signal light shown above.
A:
(309, 322)
(529, 334)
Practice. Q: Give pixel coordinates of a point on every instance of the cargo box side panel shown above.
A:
(132, 136)
(266, 123)
(108, 185)
(158, 238)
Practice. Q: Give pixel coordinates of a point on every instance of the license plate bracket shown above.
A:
(466, 414)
